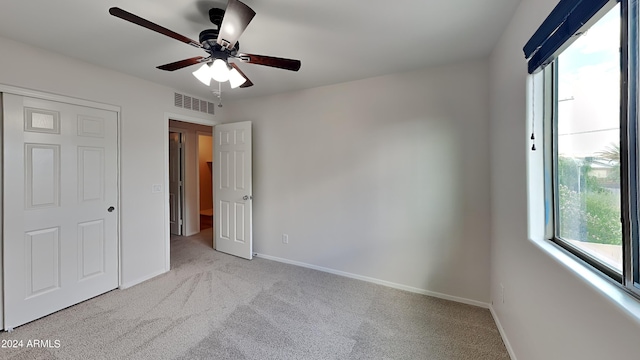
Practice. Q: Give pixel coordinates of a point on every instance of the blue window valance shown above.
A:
(566, 20)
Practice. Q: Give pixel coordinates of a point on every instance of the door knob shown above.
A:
(110, 209)
(246, 197)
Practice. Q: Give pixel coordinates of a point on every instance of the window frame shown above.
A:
(630, 157)
(629, 278)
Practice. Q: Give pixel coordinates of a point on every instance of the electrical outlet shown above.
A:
(285, 238)
(502, 293)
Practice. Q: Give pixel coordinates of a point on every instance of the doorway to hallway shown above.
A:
(196, 177)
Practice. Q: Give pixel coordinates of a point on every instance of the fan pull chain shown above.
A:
(218, 94)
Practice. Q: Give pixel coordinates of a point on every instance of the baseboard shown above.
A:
(378, 281)
(142, 279)
(507, 344)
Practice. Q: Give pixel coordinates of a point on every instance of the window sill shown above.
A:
(609, 290)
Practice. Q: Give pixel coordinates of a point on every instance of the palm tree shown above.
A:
(611, 154)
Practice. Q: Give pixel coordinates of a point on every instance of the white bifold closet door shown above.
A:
(60, 206)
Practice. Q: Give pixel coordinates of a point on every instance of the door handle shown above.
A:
(247, 197)
(110, 209)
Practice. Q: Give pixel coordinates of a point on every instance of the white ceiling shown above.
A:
(336, 40)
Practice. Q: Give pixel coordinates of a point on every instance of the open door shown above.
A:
(232, 189)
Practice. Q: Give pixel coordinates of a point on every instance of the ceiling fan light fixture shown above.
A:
(219, 70)
(236, 79)
(203, 74)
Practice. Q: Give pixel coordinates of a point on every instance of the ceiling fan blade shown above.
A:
(125, 15)
(237, 17)
(287, 64)
(183, 63)
(247, 83)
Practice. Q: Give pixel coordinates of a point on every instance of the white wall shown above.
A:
(385, 178)
(143, 138)
(548, 313)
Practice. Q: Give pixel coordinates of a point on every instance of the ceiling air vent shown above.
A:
(191, 103)
(177, 100)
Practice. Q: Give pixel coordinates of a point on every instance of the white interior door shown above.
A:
(232, 189)
(60, 206)
(175, 183)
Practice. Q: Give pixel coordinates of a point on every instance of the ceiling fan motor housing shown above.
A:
(216, 15)
(208, 38)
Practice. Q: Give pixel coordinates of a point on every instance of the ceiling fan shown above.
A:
(221, 44)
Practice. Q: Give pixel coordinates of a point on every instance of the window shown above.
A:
(586, 133)
(585, 56)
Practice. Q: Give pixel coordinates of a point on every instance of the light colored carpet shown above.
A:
(215, 306)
